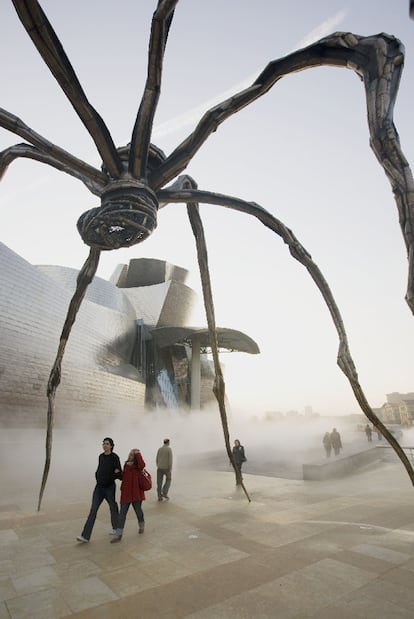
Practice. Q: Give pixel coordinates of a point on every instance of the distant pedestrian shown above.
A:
(109, 469)
(379, 435)
(131, 493)
(336, 441)
(327, 444)
(164, 462)
(368, 432)
(238, 457)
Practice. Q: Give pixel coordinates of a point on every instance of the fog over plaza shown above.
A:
(273, 448)
(301, 151)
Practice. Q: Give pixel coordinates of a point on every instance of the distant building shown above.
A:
(407, 412)
(399, 409)
(390, 412)
(274, 416)
(395, 397)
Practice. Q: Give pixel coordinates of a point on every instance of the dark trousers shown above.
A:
(99, 494)
(137, 505)
(162, 490)
(239, 469)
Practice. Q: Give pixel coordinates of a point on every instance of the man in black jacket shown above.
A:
(109, 469)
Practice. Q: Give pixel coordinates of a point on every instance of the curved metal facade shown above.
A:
(112, 364)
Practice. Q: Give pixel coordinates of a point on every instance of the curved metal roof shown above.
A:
(227, 338)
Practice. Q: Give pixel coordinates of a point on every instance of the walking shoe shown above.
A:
(164, 496)
(160, 498)
(116, 538)
(141, 527)
(82, 539)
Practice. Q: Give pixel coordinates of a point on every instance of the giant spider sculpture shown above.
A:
(131, 183)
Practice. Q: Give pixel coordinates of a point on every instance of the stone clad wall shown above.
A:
(33, 307)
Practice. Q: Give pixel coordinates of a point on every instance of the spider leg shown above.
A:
(70, 164)
(378, 60)
(85, 276)
(8, 155)
(219, 385)
(374, 58)
(344, 359)
(48, 45)
(141, 134)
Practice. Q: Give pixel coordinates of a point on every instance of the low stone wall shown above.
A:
(342, 465)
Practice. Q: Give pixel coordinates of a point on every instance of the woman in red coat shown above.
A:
(131, 493)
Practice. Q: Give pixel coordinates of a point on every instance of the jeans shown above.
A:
(162, 490)
(123, 513)
(99, 494)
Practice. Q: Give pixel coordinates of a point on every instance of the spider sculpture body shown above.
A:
(133, 180)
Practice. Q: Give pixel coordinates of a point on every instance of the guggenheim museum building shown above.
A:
(132, 348)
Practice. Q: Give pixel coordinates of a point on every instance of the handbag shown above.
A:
(145, 480)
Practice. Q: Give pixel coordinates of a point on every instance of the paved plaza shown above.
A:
(339, 548)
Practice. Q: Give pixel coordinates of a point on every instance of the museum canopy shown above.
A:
(229, 339)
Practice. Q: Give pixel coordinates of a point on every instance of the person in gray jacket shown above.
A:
(164, 463)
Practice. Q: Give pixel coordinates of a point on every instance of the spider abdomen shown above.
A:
(127, 216)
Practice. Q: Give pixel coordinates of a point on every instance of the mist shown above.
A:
(276, 448)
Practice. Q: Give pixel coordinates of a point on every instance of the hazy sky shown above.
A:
(301, 151)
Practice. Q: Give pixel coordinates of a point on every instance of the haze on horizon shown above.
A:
(301, 151)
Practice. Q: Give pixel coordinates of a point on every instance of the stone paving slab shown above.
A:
(300, 549)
